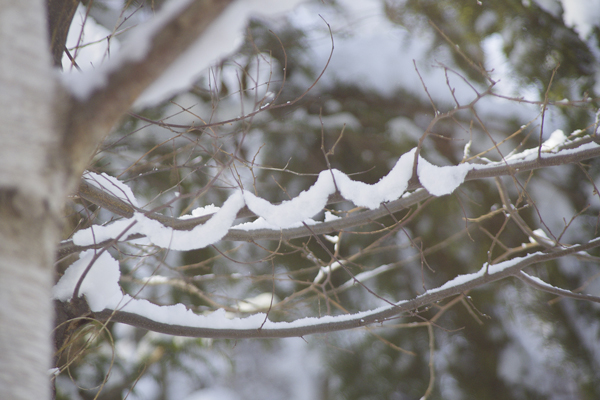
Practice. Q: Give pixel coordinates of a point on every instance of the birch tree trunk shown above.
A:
(32, 185)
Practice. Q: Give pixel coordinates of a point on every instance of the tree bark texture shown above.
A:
(31, 197)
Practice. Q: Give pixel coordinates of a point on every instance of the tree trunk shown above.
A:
(32, 190)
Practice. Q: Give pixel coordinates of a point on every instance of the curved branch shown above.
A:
(461, 284)
(537, 283)
(120, 207)
(116, 205)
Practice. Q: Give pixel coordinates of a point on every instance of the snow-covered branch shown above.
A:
(390, 190)
(539, 284)
(177, 320)
(287, 220)
(101, 96)
(161, 58)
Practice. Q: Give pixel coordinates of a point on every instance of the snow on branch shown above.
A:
(286, 220)
(112, 186)
(107, 302)
(222, 36)
(100, 280)
(572, 151)
(289, 214)
(539, 284)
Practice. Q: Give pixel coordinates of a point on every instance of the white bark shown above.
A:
(31, 194)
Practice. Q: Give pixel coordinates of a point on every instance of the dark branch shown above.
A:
(60, 15)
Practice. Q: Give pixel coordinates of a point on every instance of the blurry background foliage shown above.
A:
(505, 342)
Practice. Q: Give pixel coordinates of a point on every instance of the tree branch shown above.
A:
(487, 274)
(91, 119)
(119, 207)
(60, 15)
(537, 283)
